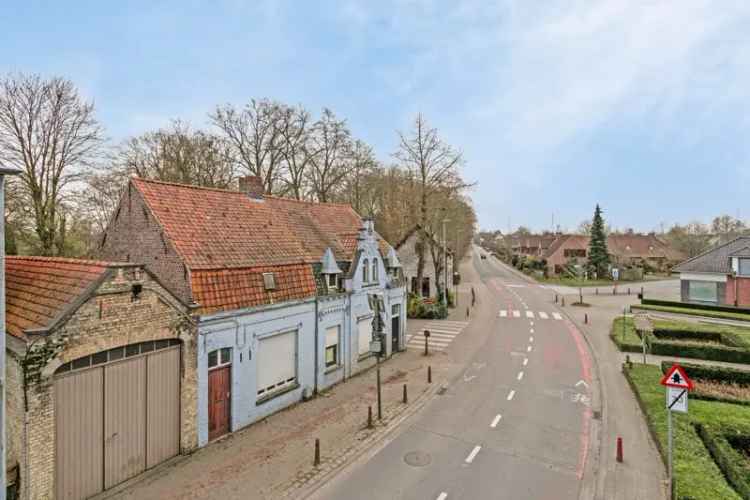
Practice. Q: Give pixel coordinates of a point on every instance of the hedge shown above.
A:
(688, 305)
(732, 463)
(708, 352)
(715, 373)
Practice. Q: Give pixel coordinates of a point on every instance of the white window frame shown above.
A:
(714, 299)
(220, 361)
(332, 281)
(269, 390)
(361, 339)
(740, 260)
(336, 343)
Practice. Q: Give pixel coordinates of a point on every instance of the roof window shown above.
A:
(269, 281)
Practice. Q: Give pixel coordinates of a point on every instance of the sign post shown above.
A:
(678, 384)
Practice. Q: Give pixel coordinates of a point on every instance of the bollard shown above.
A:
(467, 312)
(555, 298)
(562, 301)
(597, 291)
(641, 292)
(628, 290)
(429, 374)
(614, 290)
(586, 318)
(317, 452)
(406, 399)
(369, 417)
(619, 449)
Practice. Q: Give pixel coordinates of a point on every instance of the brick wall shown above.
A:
(134, 235)
(108, 319)
(742, 286)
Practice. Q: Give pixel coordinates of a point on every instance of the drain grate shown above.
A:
(417, 458)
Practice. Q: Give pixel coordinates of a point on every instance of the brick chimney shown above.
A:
(252, 186)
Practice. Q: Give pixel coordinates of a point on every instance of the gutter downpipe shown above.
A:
(317, 321)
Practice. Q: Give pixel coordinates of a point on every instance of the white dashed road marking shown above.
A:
(442, 496)
(496, 421)
(525, 361)
(528, 349)
(520, 375)
(503, 313)
(511, 394)
(473, 454)
(531, 339)
(556, 316)
(543, 315)
(516, 314)
(530, 314)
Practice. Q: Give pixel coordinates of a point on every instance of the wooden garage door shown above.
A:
(115, 420)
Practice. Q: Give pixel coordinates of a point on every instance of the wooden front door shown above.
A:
(219, 397)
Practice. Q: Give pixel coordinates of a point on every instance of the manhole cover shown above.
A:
(417, 458)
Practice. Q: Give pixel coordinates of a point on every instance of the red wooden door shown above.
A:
(219, 396)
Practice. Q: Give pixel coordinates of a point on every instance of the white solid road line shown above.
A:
(525, 361)
(516, 314)
(511, 394)
(543, 315)
(473, 454)
(520, 375)
(503, 313)
(442, 496)
(530, 314)
(496, 420)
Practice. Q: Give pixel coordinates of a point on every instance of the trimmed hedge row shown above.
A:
(708, 352)
(731, 462)
(688, 305)
(715, 373)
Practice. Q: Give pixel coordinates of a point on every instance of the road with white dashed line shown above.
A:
(517, 428)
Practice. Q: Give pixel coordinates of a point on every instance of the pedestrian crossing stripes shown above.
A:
(442, 334)
(515, 313)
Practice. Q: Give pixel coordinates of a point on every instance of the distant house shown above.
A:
(286, 292)
(531, 245)
(407, 255)
(720, 275)
(625, 250)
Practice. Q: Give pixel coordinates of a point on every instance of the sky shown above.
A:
(640, 106)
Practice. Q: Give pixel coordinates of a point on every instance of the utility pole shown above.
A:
(445, 264)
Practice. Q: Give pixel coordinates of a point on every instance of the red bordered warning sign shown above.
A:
(676, 377)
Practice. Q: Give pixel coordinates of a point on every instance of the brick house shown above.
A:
(625, 250)
(285, 291)
(406, 250)
(101, 375)
(532, 245)
(720, 275)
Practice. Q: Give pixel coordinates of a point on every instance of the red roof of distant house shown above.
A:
(39, 289)
(228, 239)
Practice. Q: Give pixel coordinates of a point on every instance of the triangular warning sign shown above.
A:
(676, 377)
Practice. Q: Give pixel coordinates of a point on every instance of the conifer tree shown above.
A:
(598, 259)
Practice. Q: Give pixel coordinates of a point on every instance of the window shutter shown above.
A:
(332, 336)
(364, 328)
(277, 361)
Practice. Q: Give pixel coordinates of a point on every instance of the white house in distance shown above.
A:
(407, 255)
(285, 291)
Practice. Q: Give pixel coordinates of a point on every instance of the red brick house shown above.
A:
(720, 275)
(638, 250)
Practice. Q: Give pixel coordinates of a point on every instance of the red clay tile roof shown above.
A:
(228, 240)
(620, 245)
(228, 289)
(215, 228)
(38, 289)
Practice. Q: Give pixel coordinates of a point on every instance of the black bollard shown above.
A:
(369, 417)
(429, 374)
(317, 452)
(406, 398)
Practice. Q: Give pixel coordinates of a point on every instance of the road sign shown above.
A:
(676, 377)
(677, 399)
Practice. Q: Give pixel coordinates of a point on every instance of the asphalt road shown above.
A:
(513, 424)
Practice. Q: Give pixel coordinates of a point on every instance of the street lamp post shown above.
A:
(445, 264)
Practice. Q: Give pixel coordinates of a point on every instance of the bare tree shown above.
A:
(178, 154)
(330, 146)
(254, 133)
(434, 164)
(49, 132)
(362, 162)
(295, 129)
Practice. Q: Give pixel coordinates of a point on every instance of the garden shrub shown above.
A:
(725, 445)
(689, 305)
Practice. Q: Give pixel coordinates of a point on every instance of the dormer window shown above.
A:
(329, 270)
(366, 271)
(333, 281)
(375, 276)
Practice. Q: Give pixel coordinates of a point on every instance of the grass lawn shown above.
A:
(697, 475)
(694, 312)
(578, 283)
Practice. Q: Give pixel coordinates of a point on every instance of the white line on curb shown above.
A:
(496, 421)
(520, 375)
(511, 394)
(473, 454)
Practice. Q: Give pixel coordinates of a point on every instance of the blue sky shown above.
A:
(642, 106)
